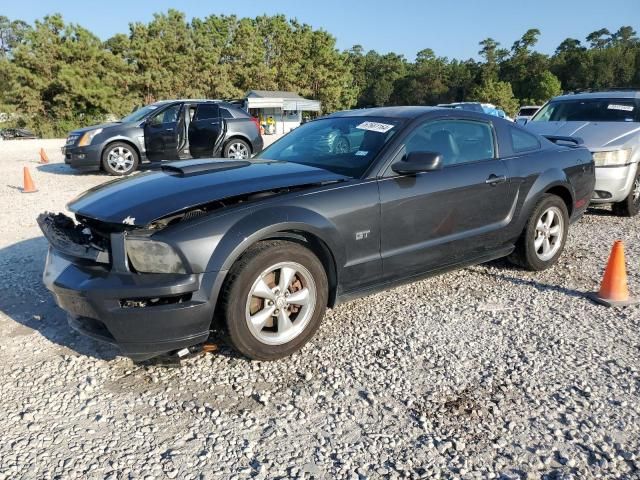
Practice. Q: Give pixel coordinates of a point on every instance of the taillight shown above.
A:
(256, 122)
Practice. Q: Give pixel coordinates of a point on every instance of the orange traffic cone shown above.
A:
(613, 290)
(43, 156)
(29, 186)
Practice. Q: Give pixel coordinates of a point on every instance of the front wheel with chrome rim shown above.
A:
(543, 239)
(630, 206)
(119, 159)
(237, 149)
(274, 299)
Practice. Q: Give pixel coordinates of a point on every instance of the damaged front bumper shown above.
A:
(146, 315)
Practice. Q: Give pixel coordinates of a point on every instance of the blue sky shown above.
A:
(451, 28)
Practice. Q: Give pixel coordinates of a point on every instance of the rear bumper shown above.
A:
(257, 144)
(83, 158)
(613, 184)
(144, 314)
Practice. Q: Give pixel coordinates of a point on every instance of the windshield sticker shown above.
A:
(624, 108)
(375, 127)
(361, 153)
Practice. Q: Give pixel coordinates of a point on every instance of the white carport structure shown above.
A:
(284, 107)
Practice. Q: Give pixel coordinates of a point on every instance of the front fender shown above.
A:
(137, 141)
(264, 222)
(214, 243)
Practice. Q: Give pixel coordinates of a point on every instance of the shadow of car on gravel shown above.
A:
(504, 266)
(58, 169)
(26, 301)
(600, 211)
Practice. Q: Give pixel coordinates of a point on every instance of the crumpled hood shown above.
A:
(143, 198)
(596, 135)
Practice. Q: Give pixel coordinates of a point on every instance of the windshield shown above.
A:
(139, 114)
(343, 145)
(591, 110)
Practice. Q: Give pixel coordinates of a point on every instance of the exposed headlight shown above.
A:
(71, 139)
(149, 256)
(88, 137)
(612, 158)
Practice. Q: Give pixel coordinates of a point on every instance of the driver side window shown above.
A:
(458, 141)
(170, 115)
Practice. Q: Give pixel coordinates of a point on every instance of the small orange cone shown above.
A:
(29, 186)
(43, 156)
(613, 290)
(209, 347)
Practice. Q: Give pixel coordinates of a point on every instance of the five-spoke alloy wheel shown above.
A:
(549, 233)
(281, 303)
(544, 236)
(274, 299)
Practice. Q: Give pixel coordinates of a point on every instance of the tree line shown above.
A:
(56, 76)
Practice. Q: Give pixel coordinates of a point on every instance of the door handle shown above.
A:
(495, 179)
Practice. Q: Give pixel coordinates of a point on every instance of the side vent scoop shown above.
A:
(194, 167)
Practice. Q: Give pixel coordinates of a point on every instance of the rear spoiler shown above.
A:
(577, 141)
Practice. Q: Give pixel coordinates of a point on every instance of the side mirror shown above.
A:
(418, 162)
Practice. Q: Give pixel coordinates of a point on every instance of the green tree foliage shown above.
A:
(12, 34)
(498, 93)
(58, 76)
(375, 75)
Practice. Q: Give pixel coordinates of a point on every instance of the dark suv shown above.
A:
(167, 130)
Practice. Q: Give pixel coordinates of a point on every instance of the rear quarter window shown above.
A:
(237, 112)
(522, 141)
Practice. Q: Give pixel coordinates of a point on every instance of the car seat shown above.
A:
(443, 142)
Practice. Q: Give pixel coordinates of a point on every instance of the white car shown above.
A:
(525, 113)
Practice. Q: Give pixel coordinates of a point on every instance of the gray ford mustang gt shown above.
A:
(152, 263)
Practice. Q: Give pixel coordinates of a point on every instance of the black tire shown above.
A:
(129, 155)
(236, 145)
(526, 255)
(237, 300)
(630, 206)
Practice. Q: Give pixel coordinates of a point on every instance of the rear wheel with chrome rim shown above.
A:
(119, 158)
(543, 239)
(238, 149)
(274, 299)
(630, 206)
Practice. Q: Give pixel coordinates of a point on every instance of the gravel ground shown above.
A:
(487, 372)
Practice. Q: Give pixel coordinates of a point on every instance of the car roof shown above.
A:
(199, 100)
(391, 112)
(412, 112)
(600, 94)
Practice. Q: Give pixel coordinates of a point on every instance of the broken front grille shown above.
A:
(72, 239)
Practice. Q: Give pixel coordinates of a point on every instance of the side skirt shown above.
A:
(486, 257)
